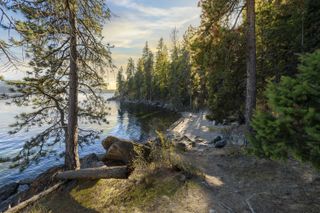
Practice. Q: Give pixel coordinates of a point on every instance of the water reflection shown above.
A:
(135, 122)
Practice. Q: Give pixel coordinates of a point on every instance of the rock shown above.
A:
(186, 138)
(216, 139)
(89, 161)
(193, 144)
(181, 146)
(101, 156)
(165, 198)
(220, 144)
(122, 150)
(106, 143)
(8, 190)
(182, 178)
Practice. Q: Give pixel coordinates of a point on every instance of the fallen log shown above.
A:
(104, 172)
(33, 199)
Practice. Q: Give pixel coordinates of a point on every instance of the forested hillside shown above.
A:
(209, 68)
(208, 65)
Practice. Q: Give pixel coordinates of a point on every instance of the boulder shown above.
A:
(8, 190)
(106, 143)
(90, 161)
(122, 150)
(220, 144)
(181, 146)
(216, 139)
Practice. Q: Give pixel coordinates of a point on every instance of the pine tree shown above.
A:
(120, 83)
(147, 58)
(174, 70)
(139, 80)
(218, 60)
(161, 70)
(68, 57)
(312, 25)
(291, 124)
(130, 77)
(6, 23)
(184, 73)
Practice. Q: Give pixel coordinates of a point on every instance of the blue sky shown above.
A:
(134, 22)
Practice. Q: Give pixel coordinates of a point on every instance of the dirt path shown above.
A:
(236, 182)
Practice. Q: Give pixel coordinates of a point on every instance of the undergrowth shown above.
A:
(163, 155)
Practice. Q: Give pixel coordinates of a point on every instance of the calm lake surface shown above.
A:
(135, 122)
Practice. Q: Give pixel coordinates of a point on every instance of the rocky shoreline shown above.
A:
(118, 152)
(156, 104)
(182, 137)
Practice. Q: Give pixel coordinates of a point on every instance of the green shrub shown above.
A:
(163, 155)
(290, 127)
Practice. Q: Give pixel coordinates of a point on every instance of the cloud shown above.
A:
(134, 22)
(153, 11)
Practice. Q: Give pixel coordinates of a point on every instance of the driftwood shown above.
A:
(33, 199)
(104, 172)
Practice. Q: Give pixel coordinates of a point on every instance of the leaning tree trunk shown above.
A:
(72, 157)
(251, 63)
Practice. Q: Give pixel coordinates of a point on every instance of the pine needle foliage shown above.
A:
(46, 33)
(290, 127)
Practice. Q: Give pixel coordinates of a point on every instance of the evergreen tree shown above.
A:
(139, 80)
(311, 25)
(130, 77)
(280, 26)
(147, 58)
(6, 24)
(174, 70)
(184, 74)
(218, 60)
(290, 126)
(65, 47)
(161, 70)
(120, 83)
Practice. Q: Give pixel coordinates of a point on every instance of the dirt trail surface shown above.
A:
(236, 182)
(194, 125)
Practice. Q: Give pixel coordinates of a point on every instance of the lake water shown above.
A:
(135, 122)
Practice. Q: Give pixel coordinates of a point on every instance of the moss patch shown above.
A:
(114, 195)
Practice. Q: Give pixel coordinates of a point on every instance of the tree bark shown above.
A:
(104, 172)
(251, 64)
(72, 157)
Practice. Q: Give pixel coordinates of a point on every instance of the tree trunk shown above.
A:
(251, 63)
(104, 172)
(72, 157)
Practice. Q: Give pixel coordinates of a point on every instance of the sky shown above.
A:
(133, 22)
